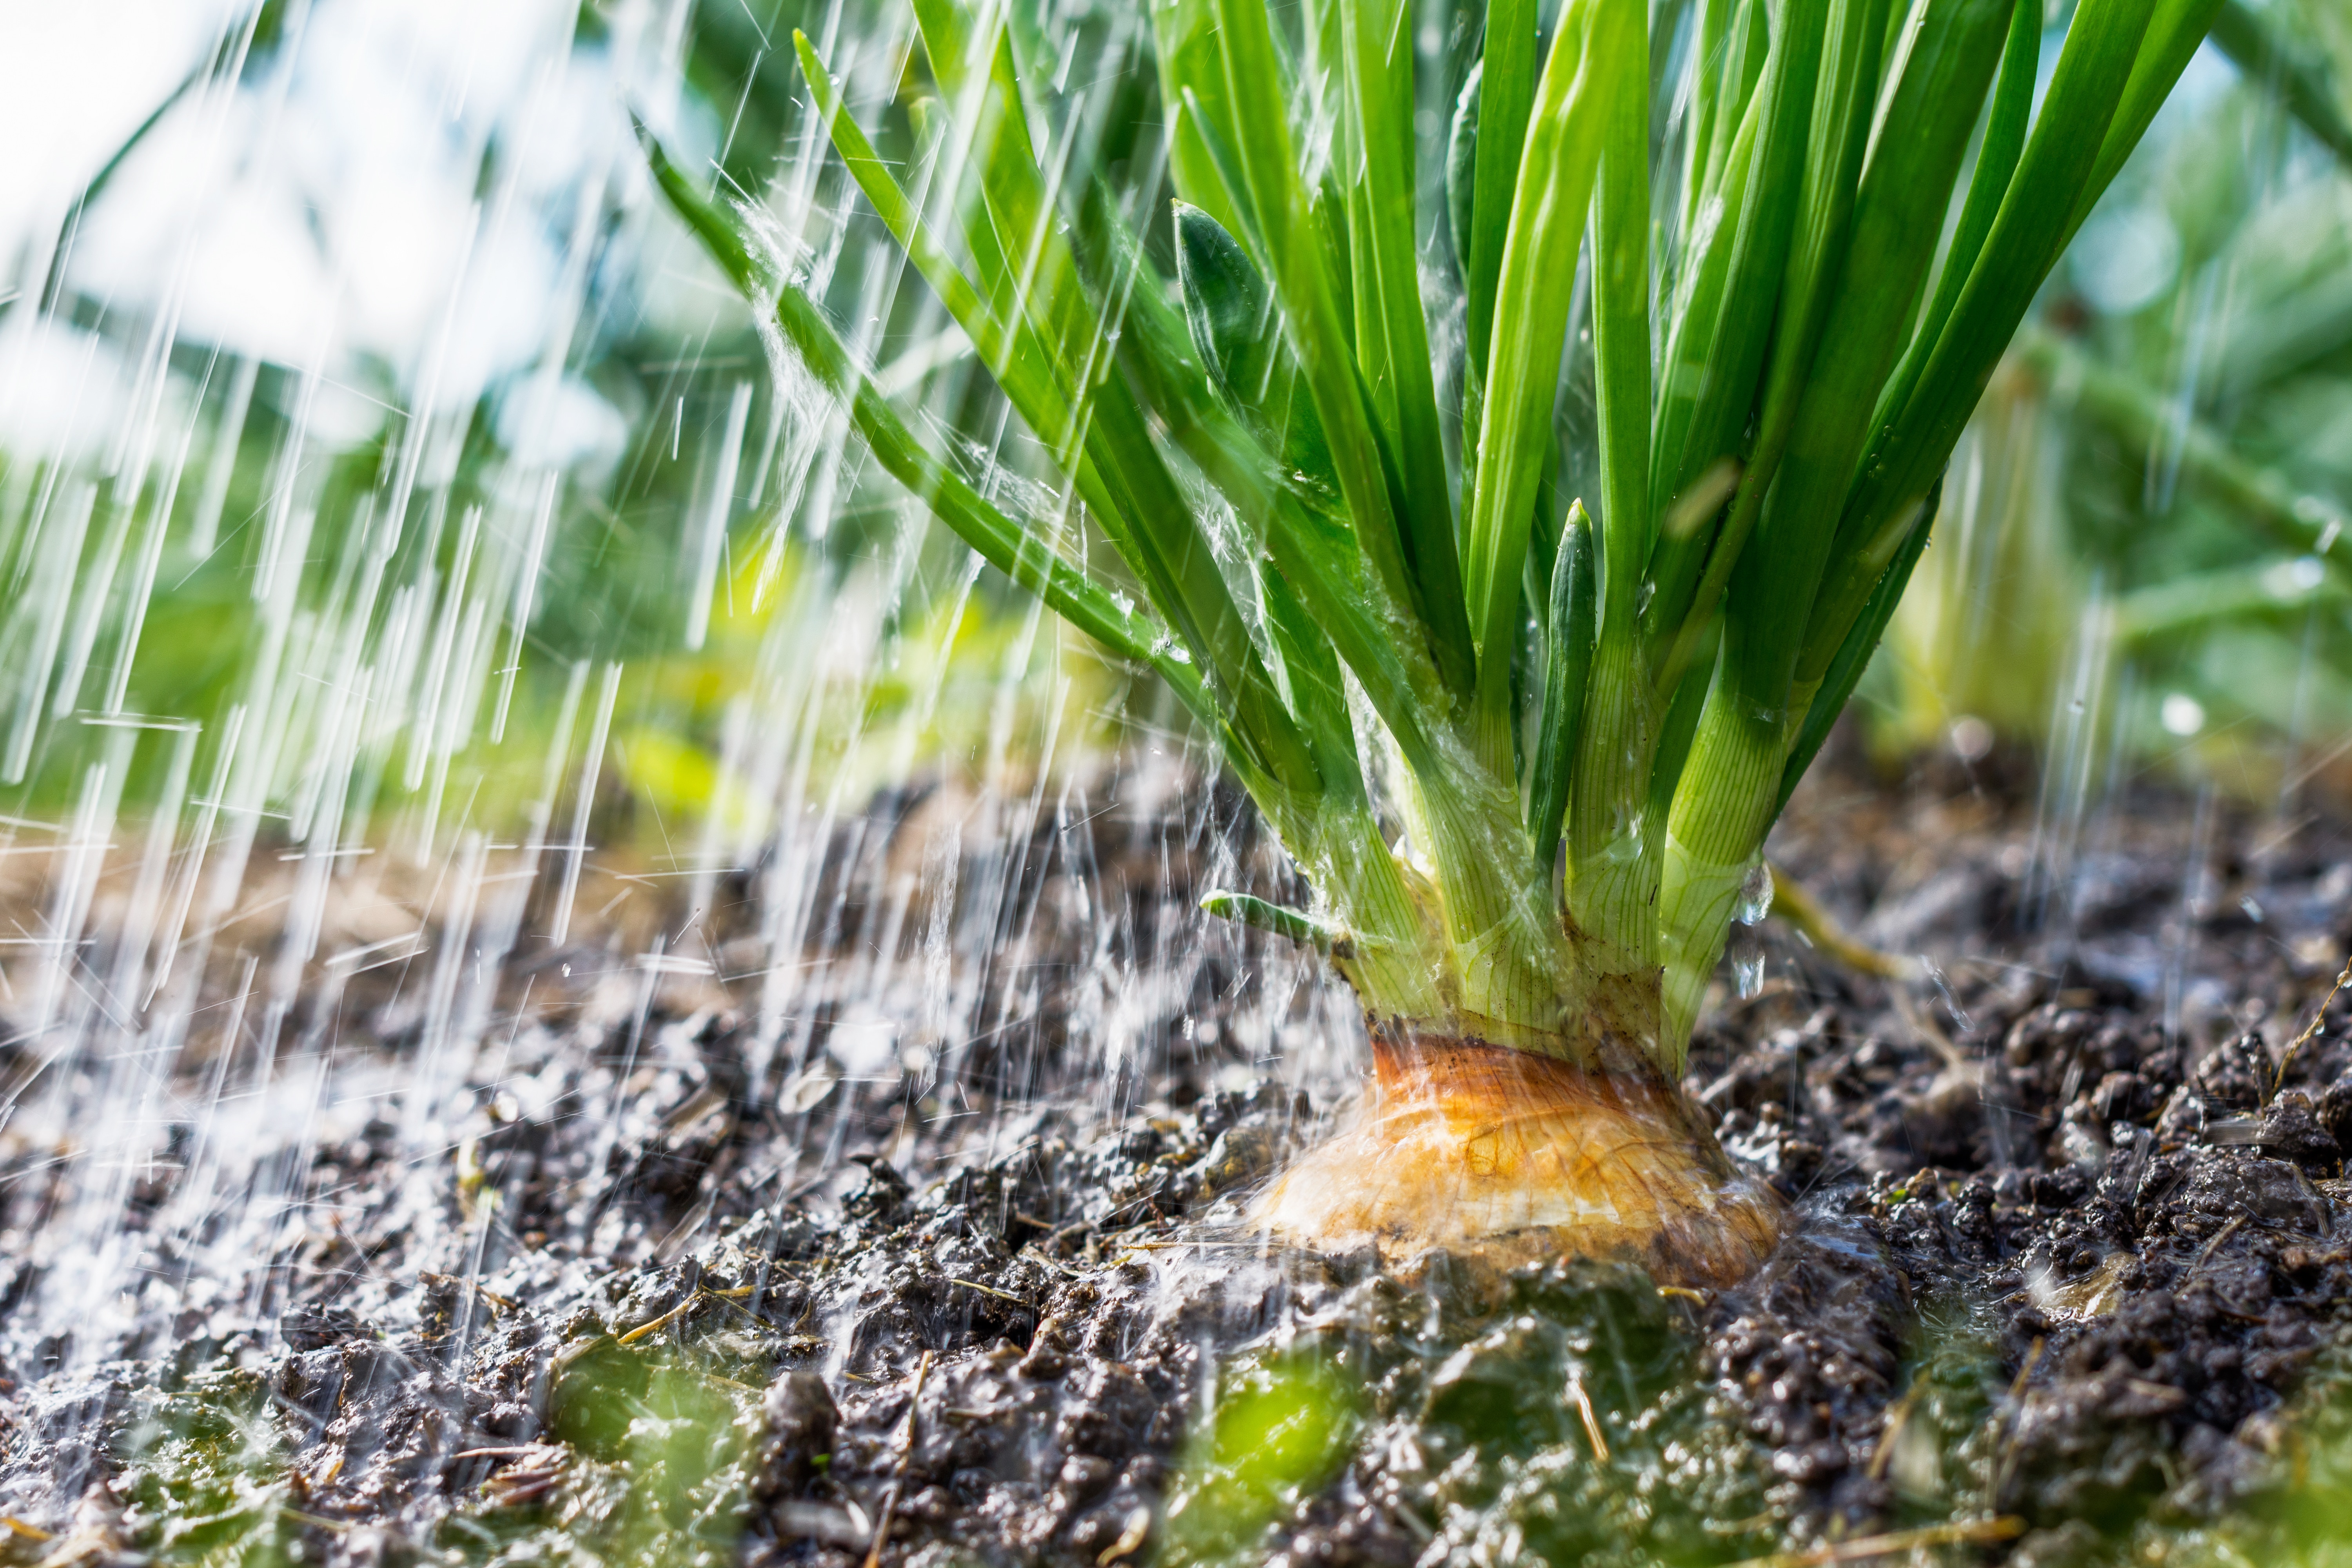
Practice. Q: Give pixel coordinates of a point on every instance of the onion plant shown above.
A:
(1526, 756)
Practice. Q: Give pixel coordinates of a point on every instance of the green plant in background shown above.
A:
(2297, 1519)
(2145, 538)
(659, 1453)
(2274, 58)
(652, 1461)
(472, 642)
(206, 1478)
(1637, 687)
(409, 608)
(1281, 1427)
(1985, 626)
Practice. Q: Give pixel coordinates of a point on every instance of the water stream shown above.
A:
(504, 817)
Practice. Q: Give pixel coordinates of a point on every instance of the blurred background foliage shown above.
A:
(403, 582)
(2134, 555)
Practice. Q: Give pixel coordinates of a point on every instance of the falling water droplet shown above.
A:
(1748, 972)
(1743, 949)
(1755, 896)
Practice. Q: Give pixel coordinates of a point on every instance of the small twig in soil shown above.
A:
(732, 1295)
(1749, 1526)
(459, 1282)
(2319, 1017)
(2014, 1416)
(655, 1325)
(906, 1456)
(1054, 1263)
(337, 1526)
(30, 1532)
(1885, 1451)
(2025, 1370)
(1127, 1246)
(660, 1322)
(2221, 1236)
(1592, 1423)
(1138, 1525)
(1978, 1533)
(990, 1290)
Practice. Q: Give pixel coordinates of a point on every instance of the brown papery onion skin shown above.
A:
(1509, 1157)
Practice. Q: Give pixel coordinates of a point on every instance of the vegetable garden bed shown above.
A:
(2063, 1286)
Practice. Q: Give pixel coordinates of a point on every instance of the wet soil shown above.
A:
(2071, 1240)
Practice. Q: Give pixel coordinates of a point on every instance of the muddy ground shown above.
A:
(2072, 1242)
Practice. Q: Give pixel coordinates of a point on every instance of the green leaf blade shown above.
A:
(1556, 177)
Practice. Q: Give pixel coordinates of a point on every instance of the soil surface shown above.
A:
(2072, 1238)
